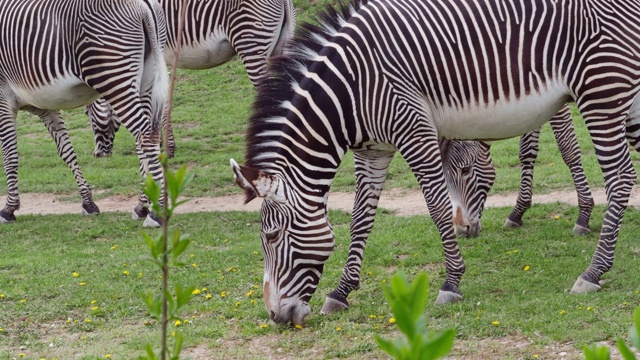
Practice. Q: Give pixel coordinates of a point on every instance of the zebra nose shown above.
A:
(272, 315)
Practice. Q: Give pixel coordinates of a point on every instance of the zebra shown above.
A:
(63, 54)
(380, 76)
(564, 133)
(215, 31)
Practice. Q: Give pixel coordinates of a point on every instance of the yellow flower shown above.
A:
(87, 320)
(208, 296)
(535, 356)
(75, 274)
(298, 326)
(204, 289)
(173, 333)
(114, 247)
(637, 292)
(194, 265)
(140, 275)
(264, 326)
(193, 316)
(372, 316)
(95, 308)
(21, 355)
(125, 273)
(556, 217)
(526, 268)
(515, 251)
(256, 253)
(250, 293)
(82, 284)
(192, 255)
(93, 302)
(0, 329)
(177, 323)
(195, 292)
(23, 301)
(238, 303)
(562, 312)
(107, 356)
(2, 296)
(223, 294)
(253, 301)
(338, 328)
(589, 308)
(496, 323)
(392, 320)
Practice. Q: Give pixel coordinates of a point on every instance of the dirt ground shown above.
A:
(402, 202)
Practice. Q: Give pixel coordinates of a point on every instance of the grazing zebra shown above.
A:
(215, 31)
(64, 54)
(395, 75)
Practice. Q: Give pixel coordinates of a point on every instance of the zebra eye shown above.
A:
(466, 170)
(272, 236)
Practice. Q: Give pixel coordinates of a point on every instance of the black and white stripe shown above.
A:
(214, 32)
(396, 75)
(64, 54)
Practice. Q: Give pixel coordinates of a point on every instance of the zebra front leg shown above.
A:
(423, 157)
(562, 126)
(371, 168)
(8, 139)
(528, 153)
(53, 121)
(148, 150)
(607, 133)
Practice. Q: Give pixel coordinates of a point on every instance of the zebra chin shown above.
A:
(293, 313)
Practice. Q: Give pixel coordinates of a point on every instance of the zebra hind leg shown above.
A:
(104, 124)
(371, 171)
(55, 125)
(528, 153)
(8, 139)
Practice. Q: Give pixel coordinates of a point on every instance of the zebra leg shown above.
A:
(608, 136)
(371, 171)
(8, 139)
(53, 121)
(423, 157)
(528, 153)
(562, 126)
(104, 124)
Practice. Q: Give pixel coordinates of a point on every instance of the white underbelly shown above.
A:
(61, 94)
(501, 120)
(216, 50)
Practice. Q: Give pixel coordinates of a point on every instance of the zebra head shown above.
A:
(296, 240)
(469, 173)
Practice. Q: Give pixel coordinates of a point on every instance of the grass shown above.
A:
(47, 312)
(39, 254)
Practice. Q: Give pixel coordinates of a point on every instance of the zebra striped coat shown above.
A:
(214, 32)
(395, 75)
(63, 54)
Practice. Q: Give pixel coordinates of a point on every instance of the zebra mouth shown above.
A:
(293, 314)
(469, 231)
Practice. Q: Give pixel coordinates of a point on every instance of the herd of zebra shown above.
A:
(372, 76)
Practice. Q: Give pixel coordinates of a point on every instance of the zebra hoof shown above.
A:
(583, 286)
(6, 217)
(512, 224)
(152, 221)
(90, 209)
(332, 306)
(580, 230)
(140, 212)
(447, 297)
(101, 154)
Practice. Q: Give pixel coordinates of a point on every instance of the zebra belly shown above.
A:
(500, 120)
(63, 93)
(210, 53)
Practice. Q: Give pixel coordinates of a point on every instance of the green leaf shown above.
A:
(626, 353)
(154, 304)
(151, 355)
(634, 333)
(183, 295)
(440, 345)
(177, 346)
(387, 346)
(180, 244)
(596, 352)
(150, 244)
(170, 303)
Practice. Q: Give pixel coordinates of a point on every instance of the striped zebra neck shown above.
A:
(300, 128)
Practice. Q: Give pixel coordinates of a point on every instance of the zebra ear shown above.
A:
(257, 183)
(443, 144)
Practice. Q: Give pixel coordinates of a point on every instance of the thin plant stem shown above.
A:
(165, 213)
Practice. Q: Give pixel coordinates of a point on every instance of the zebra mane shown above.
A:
(285, 71)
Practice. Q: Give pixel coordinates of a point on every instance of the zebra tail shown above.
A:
(156, 32)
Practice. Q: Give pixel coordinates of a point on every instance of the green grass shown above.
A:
(41, 253)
